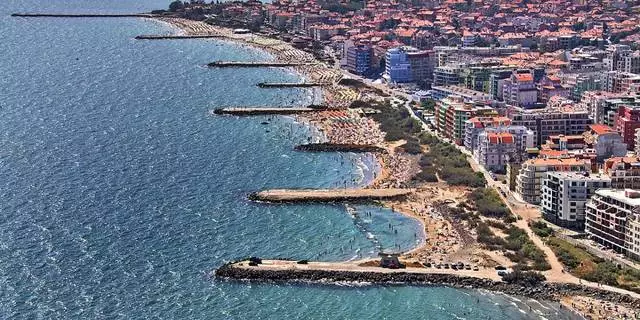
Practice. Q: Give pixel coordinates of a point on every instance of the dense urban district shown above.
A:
(516, 124)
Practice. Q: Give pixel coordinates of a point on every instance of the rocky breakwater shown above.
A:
(535, 290)
(339, 147)
(328, 195)
(291, 85)
(83, 15)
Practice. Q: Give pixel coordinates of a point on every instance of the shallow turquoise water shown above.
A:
(121, 192)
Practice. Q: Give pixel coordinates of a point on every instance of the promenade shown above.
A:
(328, 195)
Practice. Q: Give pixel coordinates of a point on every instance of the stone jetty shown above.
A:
(178, 37)
(292, 85)
(328, 195)
(263, 111)
(83, 15)
(249, 64)
(415, 276)
(339, 147)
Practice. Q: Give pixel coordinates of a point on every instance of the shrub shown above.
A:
(525, 278)
(541, 229)
(489, 204)
(496, 224)
(487, 237)
(412, 146)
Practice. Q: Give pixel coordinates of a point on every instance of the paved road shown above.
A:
(527, 213)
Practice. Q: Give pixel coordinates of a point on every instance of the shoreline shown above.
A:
(318, 123)
(277, 50)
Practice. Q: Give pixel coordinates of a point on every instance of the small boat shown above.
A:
(264, 122)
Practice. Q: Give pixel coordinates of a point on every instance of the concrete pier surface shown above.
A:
(328, 195)
(263, 111)
(83, 15)
(355, 266)
(339, 147)
(241, 64)
(292, 85)
(177, 37)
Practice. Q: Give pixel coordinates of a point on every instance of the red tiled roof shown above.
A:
(523, 77)
(601, 128)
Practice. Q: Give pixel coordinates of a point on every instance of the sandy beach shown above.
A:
(446, 240)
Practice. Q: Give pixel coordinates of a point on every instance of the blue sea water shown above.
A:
(120, 191)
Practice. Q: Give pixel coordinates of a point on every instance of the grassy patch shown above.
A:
(517, 247)
(396, 122)
(489, 204)
(448, 163)
(584, 265)
(541, 229)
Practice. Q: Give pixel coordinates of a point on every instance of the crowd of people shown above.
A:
(347, 127)
(190, 27)
(398, 169)
(591, 308)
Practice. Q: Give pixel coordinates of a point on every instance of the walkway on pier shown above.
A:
(328, 195)
(263, 111)
(292, 85)
(178, 37)
(354, 266)
(83, 15)
(249, 64)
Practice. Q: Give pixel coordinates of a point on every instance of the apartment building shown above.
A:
(612, 220)
(605, 141)
(564, 120)
(603, 105)
(359, 59)
(475, 125)
(617, 81)
(520, 90)
(565, 194)
(495, 145)
(439, 92)
(626, 122)
(398, 67)
(623, 171)
(533, 171)
(446, 75)
(452, 112)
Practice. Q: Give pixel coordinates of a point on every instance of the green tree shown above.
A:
(176, 5)
(429, 105)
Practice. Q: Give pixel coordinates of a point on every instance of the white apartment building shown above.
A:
(612, 220)
(633, 236)
(565, 194)
(495, 147)
(533, 171)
